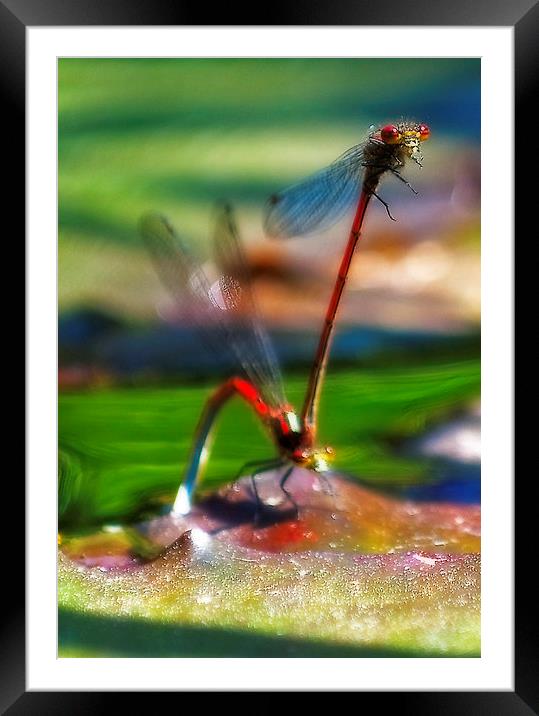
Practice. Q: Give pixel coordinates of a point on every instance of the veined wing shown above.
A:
(319, 201)
(251, 342)
(177, 268)
(218, 307)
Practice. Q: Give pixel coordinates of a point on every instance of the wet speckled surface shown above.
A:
(336, 514)
(357, 568)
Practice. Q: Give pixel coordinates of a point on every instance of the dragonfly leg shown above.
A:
(327, 487)
(256, 496)
(262, 467)
(395, 173)
(399, 176)
(282, 483)
(384, 203)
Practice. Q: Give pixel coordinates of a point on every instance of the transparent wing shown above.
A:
(220, 309)
(319, 201)
(177, 268)
(252, 340)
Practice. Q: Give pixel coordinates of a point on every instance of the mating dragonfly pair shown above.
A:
(228, 305)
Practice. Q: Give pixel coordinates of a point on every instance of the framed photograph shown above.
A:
(253, 215)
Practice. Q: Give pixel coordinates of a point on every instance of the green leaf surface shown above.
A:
(123, 450)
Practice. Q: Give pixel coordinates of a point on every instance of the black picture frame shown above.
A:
(523, 15)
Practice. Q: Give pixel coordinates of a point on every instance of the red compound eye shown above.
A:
(390, 134)
(424, 132)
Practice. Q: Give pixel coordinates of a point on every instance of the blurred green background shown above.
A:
(179, 135)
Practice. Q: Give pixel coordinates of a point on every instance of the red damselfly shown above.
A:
(323, 198)
(228, 302)
(226, 312)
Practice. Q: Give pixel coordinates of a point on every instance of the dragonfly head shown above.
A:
(316, 459)
(320, 459)
(407, 136)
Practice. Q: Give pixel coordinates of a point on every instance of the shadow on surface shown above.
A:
(102, 636)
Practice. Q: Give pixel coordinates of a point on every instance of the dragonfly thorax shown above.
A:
(296, 442)
(288, 430)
